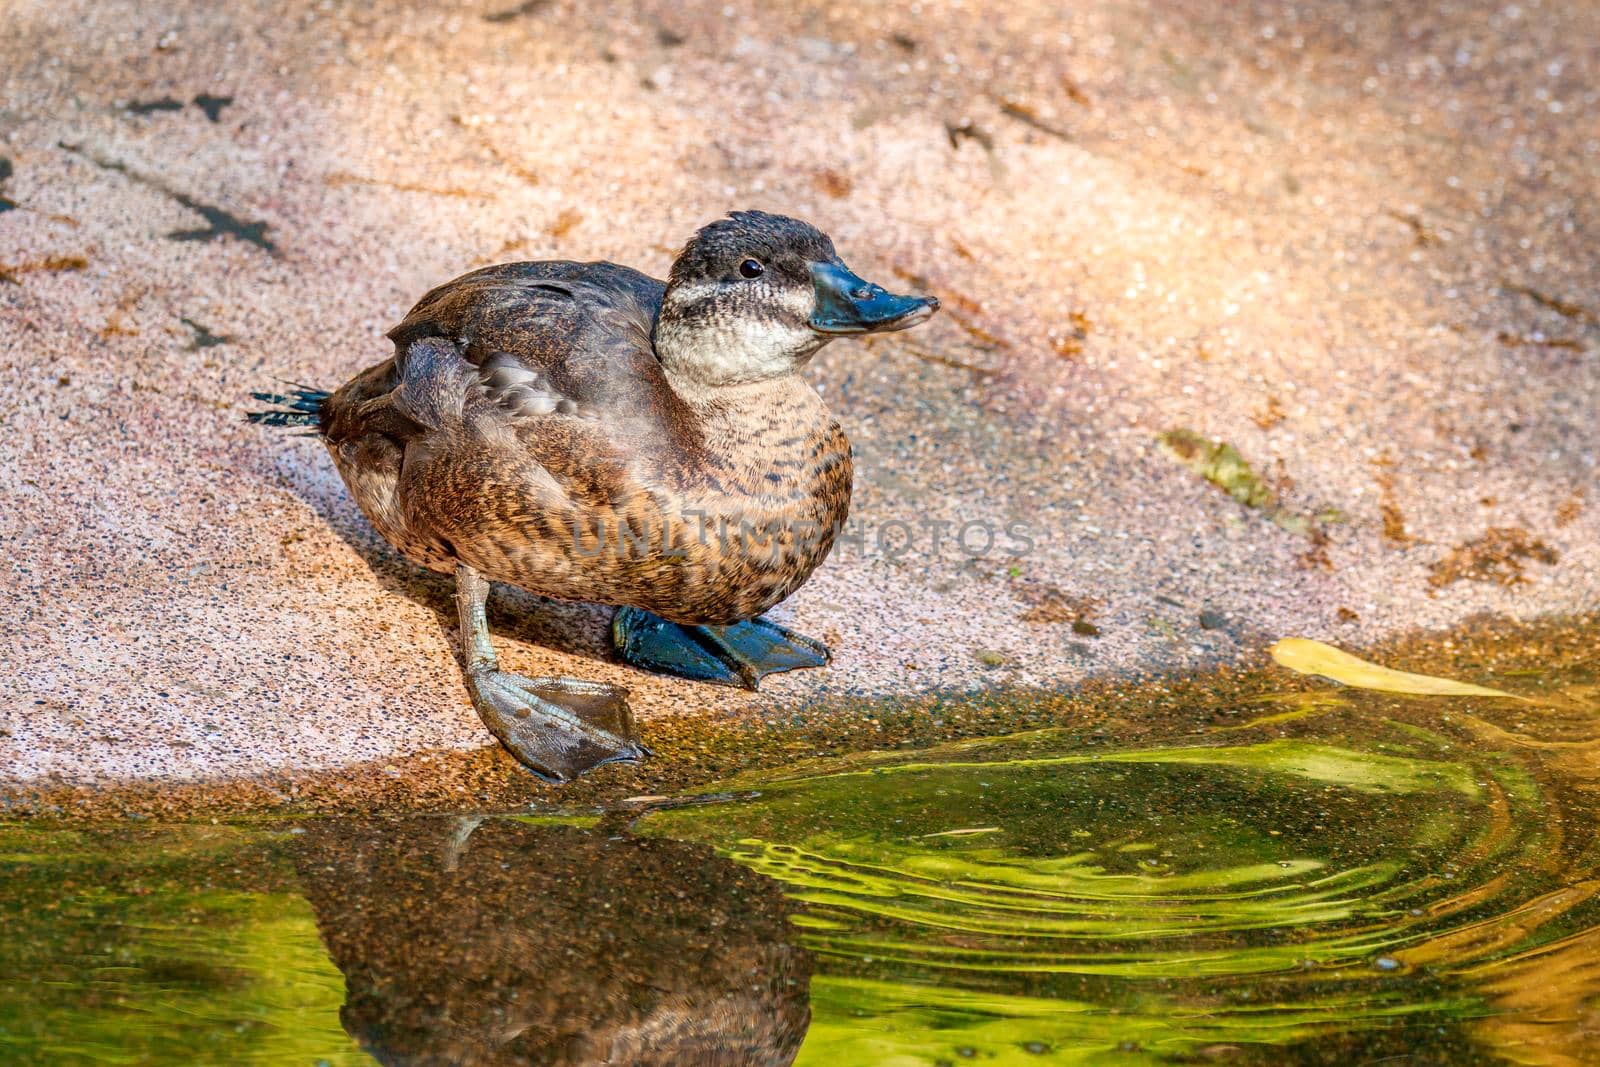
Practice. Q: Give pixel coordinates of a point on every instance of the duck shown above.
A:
(589, 433)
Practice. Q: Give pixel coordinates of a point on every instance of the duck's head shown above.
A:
(753, 296)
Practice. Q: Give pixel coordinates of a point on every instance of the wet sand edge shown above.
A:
(692, 751)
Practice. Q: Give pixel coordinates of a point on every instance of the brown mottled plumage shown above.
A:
(524, 415)
(589, 433)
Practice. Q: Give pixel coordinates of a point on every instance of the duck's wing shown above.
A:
(536, 340)
(526, 389)
(551, 335)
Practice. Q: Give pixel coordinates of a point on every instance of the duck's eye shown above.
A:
(750, 269)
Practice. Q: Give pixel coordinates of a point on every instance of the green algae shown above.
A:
(1222, 465)
(1364, 772)
(1218, 843)
(147, 947)
(1274, 896)
(861, 1021)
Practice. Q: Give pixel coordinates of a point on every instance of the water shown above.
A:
(1304, 876)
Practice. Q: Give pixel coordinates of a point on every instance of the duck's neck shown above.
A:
(699, 347)
(750, 422)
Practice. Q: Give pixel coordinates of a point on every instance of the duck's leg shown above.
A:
(557, 727)
(741, 654)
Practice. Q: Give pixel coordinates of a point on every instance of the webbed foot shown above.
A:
(556, 727)
(739, 655)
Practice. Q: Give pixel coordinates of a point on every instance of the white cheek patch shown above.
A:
(797, 300)
(685, 295)
(761, 336)
(800, 302)
(714, 343)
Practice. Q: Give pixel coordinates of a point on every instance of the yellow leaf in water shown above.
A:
(1314, 657)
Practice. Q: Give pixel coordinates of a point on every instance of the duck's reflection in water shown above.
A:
(486, 941)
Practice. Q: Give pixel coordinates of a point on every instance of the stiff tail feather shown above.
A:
(300, 407)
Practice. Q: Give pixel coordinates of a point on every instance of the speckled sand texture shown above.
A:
(1357, 241)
